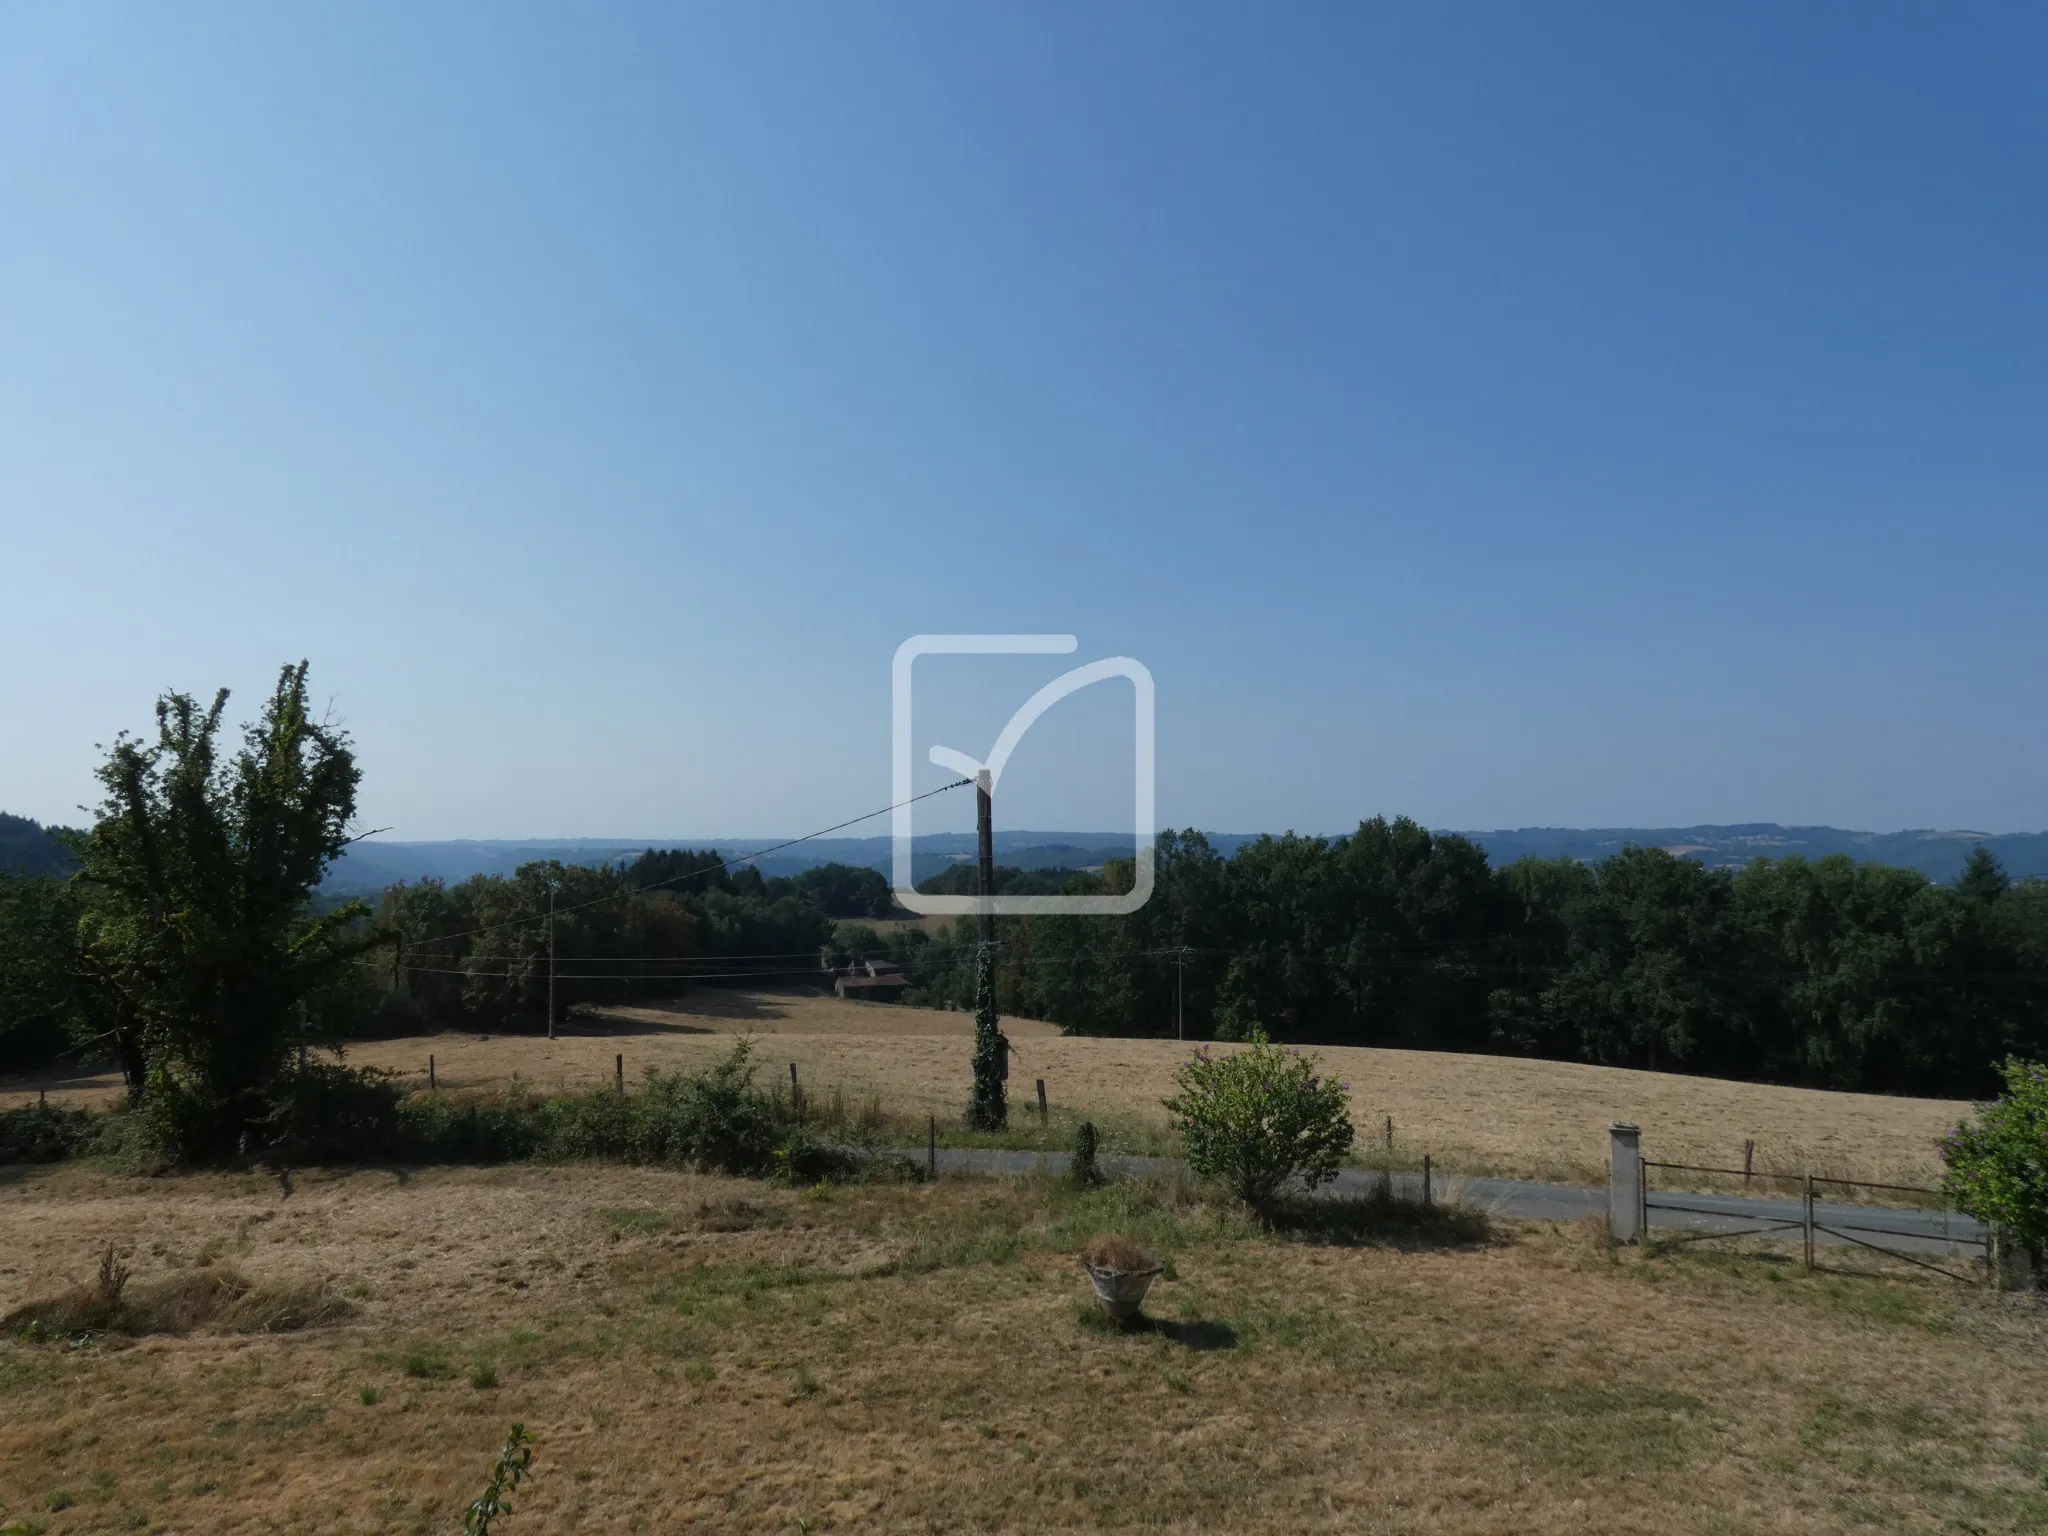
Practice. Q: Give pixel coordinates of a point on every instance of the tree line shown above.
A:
(476, 953)
(190, 947)
(1826, 972)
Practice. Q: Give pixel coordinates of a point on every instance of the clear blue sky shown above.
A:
(1503, 414)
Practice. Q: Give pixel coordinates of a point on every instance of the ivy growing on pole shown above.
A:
(989, 1109)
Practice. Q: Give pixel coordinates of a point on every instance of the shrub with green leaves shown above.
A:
(326, 1112)
(49, 1133)
(1083, 1171)
(1997, 1166)
(717, 1119)
(1255, 1118)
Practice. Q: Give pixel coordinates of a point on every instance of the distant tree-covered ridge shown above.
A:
(30, 848)
(366, 868)
(965, 880)
(1939, 855)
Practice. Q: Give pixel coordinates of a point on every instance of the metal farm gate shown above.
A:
(1923, 1235)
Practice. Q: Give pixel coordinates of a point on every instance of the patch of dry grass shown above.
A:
(713, 1355)
(212, 1296)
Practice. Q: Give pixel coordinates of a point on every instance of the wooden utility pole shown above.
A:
(1180, 987)
(988, 1110)
(551, 959)
(985, 852)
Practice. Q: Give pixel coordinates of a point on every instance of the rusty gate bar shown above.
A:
(1847, 1230)
(1768, 1224)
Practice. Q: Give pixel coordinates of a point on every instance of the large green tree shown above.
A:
(45, 999)
(1649, 967)
(201, 869)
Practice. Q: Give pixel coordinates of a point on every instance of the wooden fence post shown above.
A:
(1390, 1133)
(931, 1146)
(433, 1085)
(619, 1073)
(1041, 1101)
(1809, 1221)
(1748, 1160)
(1426, 1196)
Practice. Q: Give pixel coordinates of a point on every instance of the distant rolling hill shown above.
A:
(1937, 855)
(370, 866)
(367, 867)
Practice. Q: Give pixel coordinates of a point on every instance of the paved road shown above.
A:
(1917, 1231)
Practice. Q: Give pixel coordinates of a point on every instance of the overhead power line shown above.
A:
(691, 874)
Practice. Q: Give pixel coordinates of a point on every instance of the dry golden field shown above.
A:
(712, 1355)
(1473, 1114)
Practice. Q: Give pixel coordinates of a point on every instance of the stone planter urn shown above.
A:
(1121, 1291)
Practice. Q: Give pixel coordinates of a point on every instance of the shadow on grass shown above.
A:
(600, 1026)
(1882, 1285)
(1379, 1220)
(754, 1005)
(1200, 1337)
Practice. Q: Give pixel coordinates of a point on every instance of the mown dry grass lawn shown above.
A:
(1473, 1114)
(703, 1354)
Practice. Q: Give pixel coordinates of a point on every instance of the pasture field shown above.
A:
(704, 1354)
(1474, 1114)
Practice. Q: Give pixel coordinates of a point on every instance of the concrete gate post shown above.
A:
(2012, 1267)
(1625, 1183)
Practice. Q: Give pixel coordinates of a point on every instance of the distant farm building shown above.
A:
(873, 981)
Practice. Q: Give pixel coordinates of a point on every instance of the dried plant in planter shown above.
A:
(1121, 1273)
(1114, 1251)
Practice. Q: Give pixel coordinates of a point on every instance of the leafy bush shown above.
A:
(1997, 1168)
(716, 1120)
(802, 1158)
(1253, 1119)
(325, 1112)
(46, 1133)
(431, 1128)
(713, 1120)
